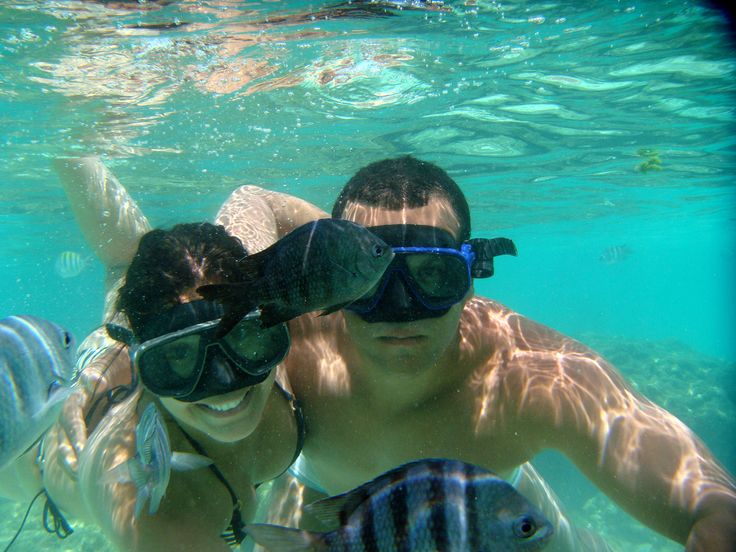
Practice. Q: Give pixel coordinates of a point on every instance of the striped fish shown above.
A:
(615, 254)
(36, 372)
(150, 468)
(322, 265)
(423, 506)
(69, 264)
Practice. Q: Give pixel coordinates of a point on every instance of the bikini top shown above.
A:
(235, 532)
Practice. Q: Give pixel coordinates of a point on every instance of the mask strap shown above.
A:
(485, 249)
(120, 334)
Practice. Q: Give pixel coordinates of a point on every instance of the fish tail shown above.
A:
(58, 393)
(131, 471)
(141, 496)
(284, 539)
(185, 461)
(119, 474)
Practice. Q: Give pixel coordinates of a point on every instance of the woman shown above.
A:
(218, 398)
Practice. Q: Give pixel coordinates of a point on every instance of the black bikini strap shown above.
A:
(236, 521)
(301, 429)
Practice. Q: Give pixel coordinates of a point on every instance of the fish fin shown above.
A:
(335, 510)
(235, 298)
(156, 495)
(142, 495)
(334, 308)
(119, 474)
(185, 461)
(272, 315)
(57, 393)
(284, 539)
(126, 472)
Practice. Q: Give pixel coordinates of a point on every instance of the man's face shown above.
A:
(419, 341)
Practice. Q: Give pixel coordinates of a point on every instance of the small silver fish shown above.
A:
(70, 264)
(615, 254)
(150, 468)
(36, 372)
(322, 265)
(423, 506)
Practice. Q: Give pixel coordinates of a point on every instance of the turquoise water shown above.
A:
(572, 128)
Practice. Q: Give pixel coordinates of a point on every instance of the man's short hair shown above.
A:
(404, 182)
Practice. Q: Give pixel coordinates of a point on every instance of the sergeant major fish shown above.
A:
(322, 265)
(615, 254)
(70, 264)
(423, 506)
(36, 372)
(150, 468)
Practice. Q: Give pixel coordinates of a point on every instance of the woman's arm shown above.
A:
(188, 518)
(111, 221)
(102, 380)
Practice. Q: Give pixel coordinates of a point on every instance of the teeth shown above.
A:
(224, 407)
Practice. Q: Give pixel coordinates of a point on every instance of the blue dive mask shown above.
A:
(430, 273)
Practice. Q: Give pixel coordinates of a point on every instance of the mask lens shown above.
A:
(170, 365)
(255, 349)
(438, 279)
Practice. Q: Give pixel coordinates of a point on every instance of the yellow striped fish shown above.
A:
(69, 264)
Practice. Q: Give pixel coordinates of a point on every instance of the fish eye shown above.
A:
(377, 250)
(66, 340)
(525, 527)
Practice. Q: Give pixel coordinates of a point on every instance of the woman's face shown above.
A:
(227, 417)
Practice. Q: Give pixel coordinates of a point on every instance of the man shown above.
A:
(422, 367)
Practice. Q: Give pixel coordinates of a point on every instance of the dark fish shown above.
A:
(423, 506)
(615, 254)
(150, 468)
(322, 265)
(36, 372)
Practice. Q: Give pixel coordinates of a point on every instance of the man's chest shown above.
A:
(349, 443)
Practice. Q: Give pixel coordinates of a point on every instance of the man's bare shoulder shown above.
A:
(492, 324)
(530, 363)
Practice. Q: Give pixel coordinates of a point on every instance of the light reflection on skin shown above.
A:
(106, 449)
(517, 377)
(531, 389)
(439, 213)
(562, 383)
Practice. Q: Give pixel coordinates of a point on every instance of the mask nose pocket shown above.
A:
(219, 371)
(397, 292)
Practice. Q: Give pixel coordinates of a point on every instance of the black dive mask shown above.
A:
(178, 355)
(430, 273)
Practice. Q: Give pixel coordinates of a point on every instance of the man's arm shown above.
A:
(639, 454)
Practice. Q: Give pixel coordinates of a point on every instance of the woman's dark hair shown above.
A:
(168, 262)
(404, 182)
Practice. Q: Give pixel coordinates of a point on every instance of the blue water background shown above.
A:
(543, 113)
